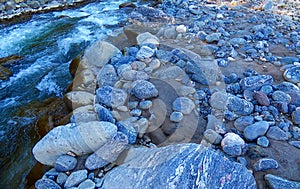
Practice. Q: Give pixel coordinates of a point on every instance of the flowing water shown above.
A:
(46, 44)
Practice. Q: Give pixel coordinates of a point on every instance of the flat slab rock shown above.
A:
(178, 166)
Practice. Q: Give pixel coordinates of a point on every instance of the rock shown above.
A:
(142, 125)
(183, 105)
(65, 163)
(46, 183)
(268, 6)
(281, 96)
(127, 5)
(143, 89)
(214, 37)
(277, 134)
(82, 138)
(176, 116)
(287, 87)
(173, 72)
(104, 114)
(168, 32)
(292, 74)
(87, 184)
(265, 164)
(295, 143)
(256, 82)
(181, 29)
(261, 98)
(185, 90)
(111, 97)
(61, 179)
(145, 105)
(239, 106)
(289, 60)
(296, 116)
(178, 166)
(263, 141)
(76, 178)
(267, 89)
(215, 124)
(75, 99)
(107, 76)
(219, 100)
(238, 41)
(164, 56)
(212, 136)
(147, 38)
(135, 112)
(100, 53)
(232, 144)
(128, 129)
(83, 114)
(242, 122)
(149, 14)
(107, 153)
(84, 81)
(145, 52)
(255, 130)
(275, 182)
(4, 73)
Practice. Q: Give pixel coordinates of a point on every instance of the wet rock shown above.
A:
(214, 37)
(256, 82)
(292, 74)
(239, 105)
(281, 96)
(75, 99)
(255, 130)
(65, 163)
(142, 126)
(183, 105)
(143, 89)
(128, 129)
(167, 162)
(87, 184)
(265, 164)
(176, 116)
(263, 141)
(84, 81)
(82, 138)
(104, 114)
(212, 136)
(232, 144)
(107, 76)
(107, 153)
(261, 98)
(147, 38)
(111, 97)
(275, 182)
(46, 183)
(277, 134)
(242, 122)
(296, 116)
(145, 52)
(76, 178)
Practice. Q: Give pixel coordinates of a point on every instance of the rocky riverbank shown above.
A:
(223, 77)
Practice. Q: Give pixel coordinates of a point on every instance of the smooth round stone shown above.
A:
(176, 116)
(277, 134)
(185, 90)
(65, 163)
(219, 100)
(263, 141)
(136, 112)
(255, 130)
(212, 136)
(87, 184)
(144, 89)
(183, 105)
(46, 183)
(147, 38)
(144, 53)
(61, 178)
(181, 29)
(232, 144)
(296, 116)
(154, 64)
(76, 178)
(265, 164)
(142, 126)
(261, 98)
(281, 96)
(292, 74)
(145, 105)
(255, 82)
(267, 89)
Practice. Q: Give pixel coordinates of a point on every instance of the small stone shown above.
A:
(138, 65)
(145, 105)
(154, 64)
(144, 89)
(214, 37)
(142, 125)
(173, 72)
(267, 89)
(128, 129)
(215, 124)
(185, 90)
(263, 141)
(289, 60)
(181, 29)
(275, 182)
(46, 183)
(238, 41)
(292, 74)
(61, 179)
(164, 56)
(184, 105)
(296, 116)
(87, 184)
(281, 96)
(277, 134)
(219, 100)
(239, 106)
(104, 114)
(242, 161)
(76, 178)
(232, 144)
(200, 95)
(110, 96)
(268, 5)
(147, 38)
(176, 116)
(145, 52)
(136, 112)
(65, 163)
(265, 164)
(255, 82)
(242, 122)
(107, 76)
(132, 104)
(255, 130)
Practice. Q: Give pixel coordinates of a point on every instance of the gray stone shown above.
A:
(238, 41)
(277, 134)
(178, 166)
(183, 105)
(233, 144)
(242, 122)
(142, 125)
(255, 130)
(239, 106)
(219, 100)
(107, 153)
(143, 89)
(147, 38)
(46, 183)
(268, 6)
(263, 141)
(292, 74)
(87, 184)
(145, 105)
(128, 129)
(256, 82)
(76, 178)
(185, 90)
(111, 97)
(173, 72)
(65, 163)
(214, 37)
(295, 143)
(81, 138)
(144, 53)
(275, 182)
(107, 76)
(83, 114)
(136, 112)
(212, 136)
(215, 124)
(281, 96)
(176, 116)
(75, 99)
(61, 179)
(265, 164)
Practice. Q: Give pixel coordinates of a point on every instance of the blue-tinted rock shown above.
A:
(296, 116)
(104, 114)
(144, 53)
(61, 179)
(65, 163)
(200, 95)
(281, 106)
(287, 87)
(237, 41)
(212, 136)
(76, 178)
(295, 143)
(265, 164)
(275, 182)
(232, 144)
(179, 166)
(261, 98)
(136, 112)
(263, 141)
(128, 129)
(110, 96)
(123, 60)
(239, 106)
(164, 56)
(292, 74)
(107, 76)
(176, 116)
(144, 89)
(255, 130)
(277, 134)
(214, 37)
(145, 105)
(281, 96)
(183, 105)
(87, 184)
(45, 183)
(256, 82)
(289, 60)
(230, 115)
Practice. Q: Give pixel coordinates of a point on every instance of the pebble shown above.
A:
(256, 82)
(263, 141)
(185, 90)
(296, 116)
(242, 161)
(110, 96)
(265, 164)
(216, 124)
(218, 100)
(154, 64)
(87, 184)
(232, 144)
(147, 38)
(261, 98)
(281, 96)
(145, 52)
(104, 114)
(46, 183)
(76, 178)
(132, 104)
(176, 116)
(289, 60)
(136, 112)
(255, 130)
(183, 105)
(292, 74)
(138, 65)
(212, 136)
(242, 122)
(239, 106)
(145, 104)
(107, 76)
(214, 37)
(143, 89)
(277, 134)
(181, 29)
(128, 129)
(61, 179)
(65, 163)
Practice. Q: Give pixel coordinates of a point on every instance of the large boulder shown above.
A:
(178, 166)
(80, 139)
